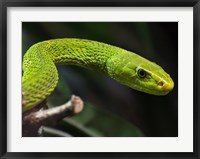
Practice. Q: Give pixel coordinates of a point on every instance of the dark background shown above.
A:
(112, 109)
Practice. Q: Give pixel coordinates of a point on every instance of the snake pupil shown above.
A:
(141, 73)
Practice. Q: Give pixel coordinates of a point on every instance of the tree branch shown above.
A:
(32, 121)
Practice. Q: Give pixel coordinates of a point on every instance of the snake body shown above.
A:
(40, 75)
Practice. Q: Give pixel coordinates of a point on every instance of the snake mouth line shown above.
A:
(162, 88)
(155, 91)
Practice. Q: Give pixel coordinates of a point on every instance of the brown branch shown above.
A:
(32, 121)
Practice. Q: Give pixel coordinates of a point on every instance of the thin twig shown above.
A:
(45, 131)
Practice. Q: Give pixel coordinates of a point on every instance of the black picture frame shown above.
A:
(98, 3)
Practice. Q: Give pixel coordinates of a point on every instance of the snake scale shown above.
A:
(40, 75)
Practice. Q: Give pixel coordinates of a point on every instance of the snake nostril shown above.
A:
(161, 83)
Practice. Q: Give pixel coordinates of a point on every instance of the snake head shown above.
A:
(139, 73)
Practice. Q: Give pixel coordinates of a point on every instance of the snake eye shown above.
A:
(141, 73)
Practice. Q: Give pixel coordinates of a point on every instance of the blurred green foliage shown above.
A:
(97, 122)
(112, 109)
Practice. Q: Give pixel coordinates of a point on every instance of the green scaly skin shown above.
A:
(41, 77)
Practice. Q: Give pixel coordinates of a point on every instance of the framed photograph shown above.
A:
(99, 79)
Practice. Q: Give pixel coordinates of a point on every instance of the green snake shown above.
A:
(40, 75)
